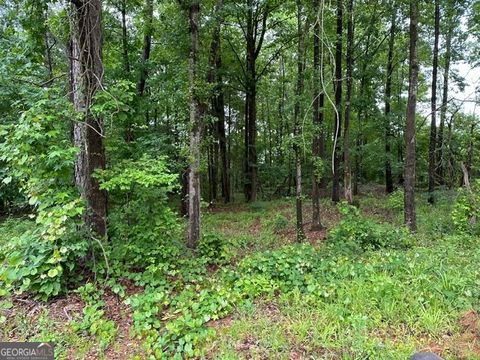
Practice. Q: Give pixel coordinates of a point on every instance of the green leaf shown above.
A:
(52, 273)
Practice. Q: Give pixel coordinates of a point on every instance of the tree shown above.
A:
(123, 12)
(253, 19)
(388, 99)
(86, 70)
(218, 101)
(410, 137)
(194, 195)
(297, 114)
(318, 144)
(443, 110)
(433, 126)
(338, 104)
(254, 33)
(147, 46)
(348, 107)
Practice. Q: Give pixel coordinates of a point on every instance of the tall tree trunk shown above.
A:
(255, 30)
(360, 140)
(348, 107)
(86, 69)
(218, 102)
(229, 150)
(297, 115)
(195, 130)
(451, 160)
(433, 125)
(48, 50)
(337, 154)
(388, 99)
(471, 146)
(147, 47)
(212, 158)
(410, 140)
(126, 61)
(251, 109)
(184, 192)
(444, 108)
(318, 145)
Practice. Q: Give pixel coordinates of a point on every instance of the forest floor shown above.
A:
(376, 304)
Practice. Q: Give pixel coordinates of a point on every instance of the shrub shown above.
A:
(94, 321)
(258, 206)
(466, 211)
(42, 267)
(358, 232)
(40, 158)
(395, 200)
(143, 228)
(279, 223)
(213, 249)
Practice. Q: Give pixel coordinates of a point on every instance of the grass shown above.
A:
(321, 300)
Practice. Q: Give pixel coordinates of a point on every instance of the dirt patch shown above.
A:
(329, 216)
(66, 309)
(256, 227)
(225, 322)
(115, 309)
(130, 287)
(462, 345)
(246, 345)
(315, 237)
(467, 344)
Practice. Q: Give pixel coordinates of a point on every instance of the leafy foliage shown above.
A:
(360, 233)
(213, 249)
(40, 158)
(466, 212)
(93, 320)
(395, 200)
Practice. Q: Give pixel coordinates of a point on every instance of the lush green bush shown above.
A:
(396, 199)
(143, 229)
(44, 268)
(213, 249)
(40, 158)
(466, 211)
(279, 223)
(360, 233)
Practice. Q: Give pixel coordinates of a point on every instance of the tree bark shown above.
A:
(147, 47)
(195, 130)
(348, 107)
(444, 108)
(318, 145)
(126, 61)
(255, 30)
(451, 160)
(86, 70)
(470, 148)
(388, 98)
(218, 102)
(251, 109)
(212, 160)
(410, 139)
(48, 50)
(297, 115)
(337, 154)
(433, 126)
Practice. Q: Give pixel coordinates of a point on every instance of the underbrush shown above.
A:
(377, 304)
(369, 280)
